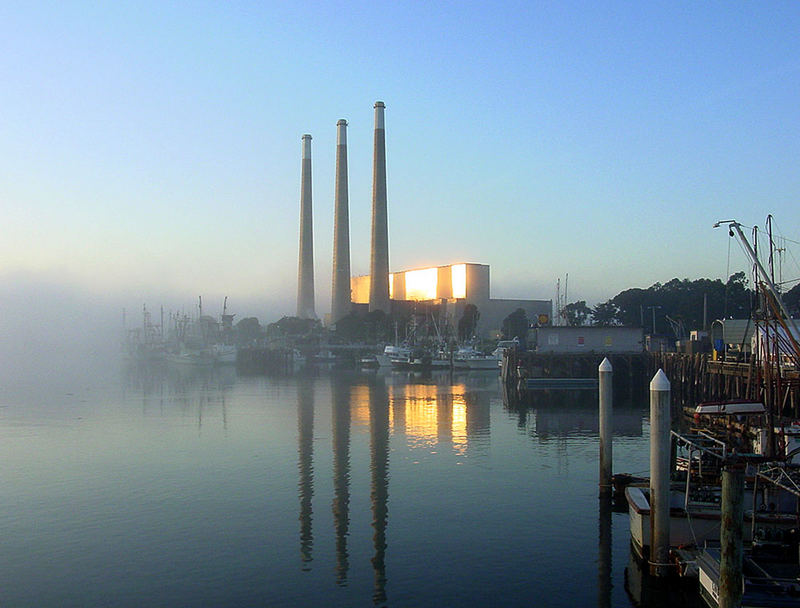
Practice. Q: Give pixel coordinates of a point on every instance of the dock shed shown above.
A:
(576, 340)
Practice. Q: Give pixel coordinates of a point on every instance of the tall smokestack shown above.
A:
(379, 260)
(305, 273)
(340, 298)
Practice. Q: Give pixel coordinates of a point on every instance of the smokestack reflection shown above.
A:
(340, 394)
(305, 466)
(379, 494)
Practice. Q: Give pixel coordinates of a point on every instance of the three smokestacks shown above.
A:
(341, 302)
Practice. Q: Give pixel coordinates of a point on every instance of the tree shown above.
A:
(606, 314)
(468, 322)
(792, 300)
(293, 327)
(678, 298)
(248, 331)
(577, 313)
(515, 325)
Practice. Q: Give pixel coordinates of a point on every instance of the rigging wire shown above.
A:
(727, 281)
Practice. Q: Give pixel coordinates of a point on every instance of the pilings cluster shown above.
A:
(257, 360)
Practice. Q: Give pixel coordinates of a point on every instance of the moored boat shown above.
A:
(468, 357)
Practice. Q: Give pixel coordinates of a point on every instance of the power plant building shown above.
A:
(454, 286)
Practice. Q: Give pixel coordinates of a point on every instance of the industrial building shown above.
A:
(574, 340)
(453, 286)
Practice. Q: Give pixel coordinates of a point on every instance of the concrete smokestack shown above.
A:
(305, 273)
(340, 298)
(379, 259)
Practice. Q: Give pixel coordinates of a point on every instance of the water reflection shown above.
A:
(258, 482)
(195, 391)
(645, 591)
(305, 466)
(340, 397)
(439, 411)
(604, 561)
(379, 492)
(563, 413)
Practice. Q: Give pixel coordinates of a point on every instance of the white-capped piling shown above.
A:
(605, 375)
(659, 473)
(730, 535)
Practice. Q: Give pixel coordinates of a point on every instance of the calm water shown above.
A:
(322, 489)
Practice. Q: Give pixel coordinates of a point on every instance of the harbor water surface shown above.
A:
(168, 487)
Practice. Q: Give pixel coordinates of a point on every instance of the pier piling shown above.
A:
(605, 379)
(659, 473)
(730, 536)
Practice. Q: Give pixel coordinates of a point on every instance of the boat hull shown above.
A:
(694, 527)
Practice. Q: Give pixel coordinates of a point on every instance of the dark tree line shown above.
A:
(680, 300)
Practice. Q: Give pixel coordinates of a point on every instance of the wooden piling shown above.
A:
(730, 536)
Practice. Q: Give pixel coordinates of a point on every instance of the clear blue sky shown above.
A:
(152, 150)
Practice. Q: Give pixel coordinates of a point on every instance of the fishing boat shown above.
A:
(731, 407)
(224, 354)
(771, 564)
(191, 357)
(392, 353)
(767, 583)
(424, 360)
(695, 504)
(468, 357)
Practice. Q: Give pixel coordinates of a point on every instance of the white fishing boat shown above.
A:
(503, 346)
(468, 357)
(392, 353)
(195, 358)
(224, 354)
(424, 360)
(729, 408)
(695, 504)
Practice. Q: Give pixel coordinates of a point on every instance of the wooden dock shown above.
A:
(697, 378)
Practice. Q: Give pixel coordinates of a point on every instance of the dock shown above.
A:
(697, 377)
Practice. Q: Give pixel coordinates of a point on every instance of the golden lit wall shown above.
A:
(459, 281)
(421, 284)
(359, 289)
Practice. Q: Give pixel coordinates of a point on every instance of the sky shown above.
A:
(151, 150)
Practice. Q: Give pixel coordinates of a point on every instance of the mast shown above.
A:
(761, 271)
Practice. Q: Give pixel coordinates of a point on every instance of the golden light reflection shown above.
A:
(459, 279)
(459, 424)
(433, 414)
(421, 284)
(359, 404)
(391, 286)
